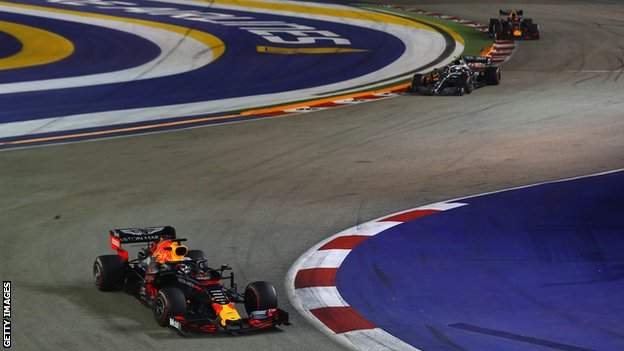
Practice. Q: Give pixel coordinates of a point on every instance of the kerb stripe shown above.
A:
(341, 319)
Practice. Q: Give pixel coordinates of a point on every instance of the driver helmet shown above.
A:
(456, 69)
(169, 251)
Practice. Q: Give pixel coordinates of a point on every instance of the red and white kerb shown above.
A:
(311, 283)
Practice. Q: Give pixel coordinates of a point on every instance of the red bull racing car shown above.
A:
(513, 25)
(180, 288)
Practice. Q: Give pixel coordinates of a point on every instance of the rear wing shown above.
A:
(507, 12)
(484, 60)
(142, 235)
(138, 235)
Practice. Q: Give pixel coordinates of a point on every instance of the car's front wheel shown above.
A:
(260, 296)
(169, 302)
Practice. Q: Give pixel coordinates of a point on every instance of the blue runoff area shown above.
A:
(9, 46)
(96, 50)
(538, 268)
(241, 71)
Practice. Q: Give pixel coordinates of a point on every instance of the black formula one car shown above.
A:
(512, 26)
(180, 288)
(461, 77)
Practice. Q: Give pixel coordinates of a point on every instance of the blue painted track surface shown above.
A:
(235, 74)
(539, 268)
(96, 50)
(9, 46)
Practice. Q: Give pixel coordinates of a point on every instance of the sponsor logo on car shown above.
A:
(175, 324)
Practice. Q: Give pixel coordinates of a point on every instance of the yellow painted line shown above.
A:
(39, 47)
(215, 44)
(294, 51)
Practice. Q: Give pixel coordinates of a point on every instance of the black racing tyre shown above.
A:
(534, 31)
(108, 272)
(469, 87)
(495, 27)
(169, 302)
(527, 22)
(460, 85)
(493, 75)
(500, 31)
(426, 91)
(417, 82)
(260, 296)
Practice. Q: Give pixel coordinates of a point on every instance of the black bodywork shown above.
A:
(461, 77)
(512, 25)
(187, 295)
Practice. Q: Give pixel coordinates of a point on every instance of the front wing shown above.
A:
(258, 321)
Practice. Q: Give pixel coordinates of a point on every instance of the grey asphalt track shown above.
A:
(256, 195)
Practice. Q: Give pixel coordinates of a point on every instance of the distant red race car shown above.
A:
(512, 26)
(180, 288)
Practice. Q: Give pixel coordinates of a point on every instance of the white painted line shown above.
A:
(325, 259)
(538, 184)
(304, 109)
(378, 339)
(319, 297)
(350, 101)
(305, 299)
(368, 228)
(386, 94)
(421, 46)
(504, 46)
(441, 206)
(178, 54)
(375, 340)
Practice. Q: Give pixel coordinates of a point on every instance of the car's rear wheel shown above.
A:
(534, 31)
(469, 86)
(417, 82)
(260, 296)
(493, 75)
(108, 272)
(169, 302)
(494, 27)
